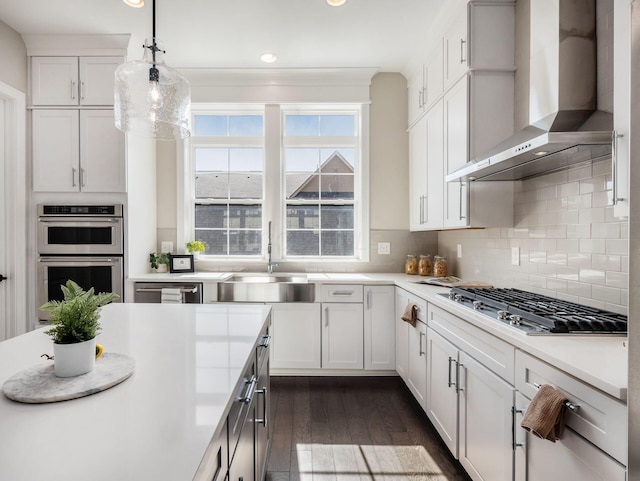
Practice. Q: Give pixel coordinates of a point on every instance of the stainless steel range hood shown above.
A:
(564, 127)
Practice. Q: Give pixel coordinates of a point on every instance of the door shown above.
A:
(3, 232)
(54, 80)
(56, 150)
(417, 376)
(433, 208)
(296, 336)
(379, 328)
(417, 174)
(342, 335)
(442, 395)
(486, 429)
(102, 153)
(97, 79)
(456, 47)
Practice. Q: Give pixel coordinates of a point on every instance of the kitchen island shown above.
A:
(157, 424)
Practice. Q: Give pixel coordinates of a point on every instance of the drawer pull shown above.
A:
(342, 293)
(573, 406)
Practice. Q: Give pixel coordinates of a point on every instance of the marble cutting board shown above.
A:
(39, 384)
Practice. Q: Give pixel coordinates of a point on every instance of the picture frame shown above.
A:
(181, 263)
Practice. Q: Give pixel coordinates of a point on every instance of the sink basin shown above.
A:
(268, 288)
(268, 278)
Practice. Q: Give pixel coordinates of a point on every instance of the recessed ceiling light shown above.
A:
(134, 3)
(268, 57)
(336, 3)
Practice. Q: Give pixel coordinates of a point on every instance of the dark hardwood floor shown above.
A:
(353, 429)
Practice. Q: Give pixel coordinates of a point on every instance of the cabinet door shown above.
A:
(417, 174)
(486, 431)
(296, 336)
(379, 328)
(571, 457)
(434, 75)
(54, 81)
(342, 334)
(442, 395)
(56, 150)
(456, 151)
(433, 201)
(102, 153)
(456, 49)
(417, 377)
(97, 79)
(402, 336)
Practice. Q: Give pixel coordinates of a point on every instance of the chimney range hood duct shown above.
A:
(564, 127)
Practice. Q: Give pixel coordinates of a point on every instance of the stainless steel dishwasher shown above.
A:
(151, 292)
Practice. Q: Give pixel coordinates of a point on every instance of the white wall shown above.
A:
(13, 58)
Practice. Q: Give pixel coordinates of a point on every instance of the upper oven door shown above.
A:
(80, 235)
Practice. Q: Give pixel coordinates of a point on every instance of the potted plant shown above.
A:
(195, 247)
(76, 323)
(159, 261)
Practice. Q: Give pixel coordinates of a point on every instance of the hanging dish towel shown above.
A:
(410, 314)
(545, 414)
(170, 296)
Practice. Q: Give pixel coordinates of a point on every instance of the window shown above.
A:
(320, 152)
(228, 159)
(309, 177)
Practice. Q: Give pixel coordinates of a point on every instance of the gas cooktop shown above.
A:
(537, 314)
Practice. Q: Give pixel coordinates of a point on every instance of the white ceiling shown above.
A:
(382, 34)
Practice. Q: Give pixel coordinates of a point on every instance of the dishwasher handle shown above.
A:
(183, 290)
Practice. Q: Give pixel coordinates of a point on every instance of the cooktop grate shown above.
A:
(557, 315)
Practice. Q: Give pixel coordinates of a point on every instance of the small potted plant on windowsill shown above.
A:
(159, 261)
(195, 247)
(76, 323)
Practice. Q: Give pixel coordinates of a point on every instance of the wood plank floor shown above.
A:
(353, 429)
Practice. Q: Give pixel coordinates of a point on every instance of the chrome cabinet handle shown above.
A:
(425, 208)
(81, 177)
(368, 300)
(342, 293)
(263, 391)
(326, 317)
(462, 43)
(614, 168)
(450, 383)
(421, 209)
(266, 340)
(73, 177)
(420, 99)
(459, 367)
(574, 407)
(461, 217)
(514, 444)
(81, 90)
(73, 90)
(248, 395)
(421, 353)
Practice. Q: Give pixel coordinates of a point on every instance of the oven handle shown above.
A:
(84, 220)
(63, 259)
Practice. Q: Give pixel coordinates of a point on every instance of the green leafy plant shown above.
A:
(195, 246)
(76, 318)
(161, 258)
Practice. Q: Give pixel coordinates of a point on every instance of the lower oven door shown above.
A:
(104, 274)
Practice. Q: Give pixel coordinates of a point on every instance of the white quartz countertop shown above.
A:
(157, 424)
(600, 361)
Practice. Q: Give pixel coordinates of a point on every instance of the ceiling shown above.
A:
(382, 34)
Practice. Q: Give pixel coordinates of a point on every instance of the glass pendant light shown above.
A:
(151, 99)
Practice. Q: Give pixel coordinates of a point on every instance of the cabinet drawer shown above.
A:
(215, 462)
(341, 293)
(493, 353)
(420, 303)
(599, 418)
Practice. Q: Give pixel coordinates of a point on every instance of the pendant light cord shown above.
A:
(154, 75)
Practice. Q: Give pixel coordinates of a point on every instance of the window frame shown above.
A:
(274, 202)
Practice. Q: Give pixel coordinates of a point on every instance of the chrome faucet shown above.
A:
(270, 265)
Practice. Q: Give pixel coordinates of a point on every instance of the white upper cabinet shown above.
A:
(425, 85)
(77, 150)
(75, 81)
(456, 47)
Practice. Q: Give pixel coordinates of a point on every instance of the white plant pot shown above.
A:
(161, 268)
(74, 359)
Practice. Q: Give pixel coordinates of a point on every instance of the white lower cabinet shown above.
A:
(571, 457)
(486, 434)
(379, 328)
(296, 336)
(342, 336)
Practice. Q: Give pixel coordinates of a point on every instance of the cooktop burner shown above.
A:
(538, 314)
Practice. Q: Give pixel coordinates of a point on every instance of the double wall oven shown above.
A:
(84, 243)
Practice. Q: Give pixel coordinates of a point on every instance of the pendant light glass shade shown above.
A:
(151, 99)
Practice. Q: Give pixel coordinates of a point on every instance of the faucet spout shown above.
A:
(270, 265)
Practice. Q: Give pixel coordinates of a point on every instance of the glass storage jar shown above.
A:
(411, 265)
(425, 266)
(440, 266)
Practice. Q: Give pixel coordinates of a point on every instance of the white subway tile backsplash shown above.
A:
(601, 199)
(579, 173)
(606, 262)
(579, 259)
(567, 245)
(592, 276)
(606, 294)
(593, 246)
(617, 279)
(578, 289)
(570, 189)
(577, 231)
(558, 258)
(538, 256)
(605, 230)
(617, 246)
(589, 216)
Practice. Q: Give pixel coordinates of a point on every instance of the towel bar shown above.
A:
(574, 407)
